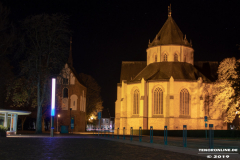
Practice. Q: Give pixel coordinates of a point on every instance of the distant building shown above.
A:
(106, 121)
(167, 89)
(71, 98)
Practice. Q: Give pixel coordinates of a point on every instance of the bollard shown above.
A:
(211, 136)
(123, 132)
(140, 134)
(131, 134)
(118, 133)
(113, 133)
(165, 135)
(108, 132)
(206, 129)
(151, 134)
(184, 135)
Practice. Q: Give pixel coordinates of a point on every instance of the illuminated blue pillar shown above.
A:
(53, 105)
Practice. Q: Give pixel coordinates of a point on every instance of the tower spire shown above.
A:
(70, 60)
(169, 11)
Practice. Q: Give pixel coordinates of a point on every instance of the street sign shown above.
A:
(205, 118)
(99, 115)
(206, 125)
(72, 123)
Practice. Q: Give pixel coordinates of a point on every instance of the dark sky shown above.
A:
(107, 32)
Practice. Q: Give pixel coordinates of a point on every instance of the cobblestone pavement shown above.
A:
(195, 143)
(80, 147)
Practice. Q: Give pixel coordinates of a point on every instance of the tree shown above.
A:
(45, 48)
(7, 32)
(93, 98)
(7, 37)
(226, 90)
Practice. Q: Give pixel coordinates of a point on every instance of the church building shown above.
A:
(166, 90)
(70, 99)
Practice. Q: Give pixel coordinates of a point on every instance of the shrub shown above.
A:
(3, 129)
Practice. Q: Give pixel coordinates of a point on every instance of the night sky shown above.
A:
(105, 33)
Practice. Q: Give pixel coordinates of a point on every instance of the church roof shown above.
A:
(164, 70)
(76, 75)
(208, 68)
(169, 34)
(130, 69)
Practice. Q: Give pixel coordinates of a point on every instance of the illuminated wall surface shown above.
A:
(165, 90)
(70, 94)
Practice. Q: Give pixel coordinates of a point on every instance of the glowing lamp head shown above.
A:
(59, 115)
(53, 97)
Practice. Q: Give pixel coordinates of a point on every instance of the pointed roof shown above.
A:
(169, 34)
(70, 59)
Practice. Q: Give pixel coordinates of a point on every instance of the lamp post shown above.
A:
(70, 119)
(53, 105)
(57, 121)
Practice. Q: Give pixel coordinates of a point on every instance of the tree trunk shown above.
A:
(43, 126)
(39, 110)
(23, 120)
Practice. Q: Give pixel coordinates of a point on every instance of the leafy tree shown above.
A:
(226, 90)
(94, 100)
(45, 48)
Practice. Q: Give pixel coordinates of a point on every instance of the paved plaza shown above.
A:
(83, 146)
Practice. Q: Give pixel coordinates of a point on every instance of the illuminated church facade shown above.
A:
(166, 90)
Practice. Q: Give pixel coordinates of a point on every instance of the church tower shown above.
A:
(170, 45)
(70, 59)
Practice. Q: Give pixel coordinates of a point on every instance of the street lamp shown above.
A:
(53, 105)
(70, 119)
(57, 121)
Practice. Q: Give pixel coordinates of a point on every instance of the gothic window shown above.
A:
(136, 101)
(206, 103)
(175, 57)
(155, 58)
(65, 81)
(74, 99)
(158, 101)
(165, 58)
(65, 93)
(184, 102)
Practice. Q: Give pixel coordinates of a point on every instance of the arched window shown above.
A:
(206, 103)
(65, 93)
(155, 58)
(158, 101)
(184, 102)
(165, 58)
(65, 81)
(175, 57)
(136, 101)
(74, 99)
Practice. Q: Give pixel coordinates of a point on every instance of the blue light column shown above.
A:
(53, 105)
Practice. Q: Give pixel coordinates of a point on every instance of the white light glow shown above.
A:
(53, 96)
